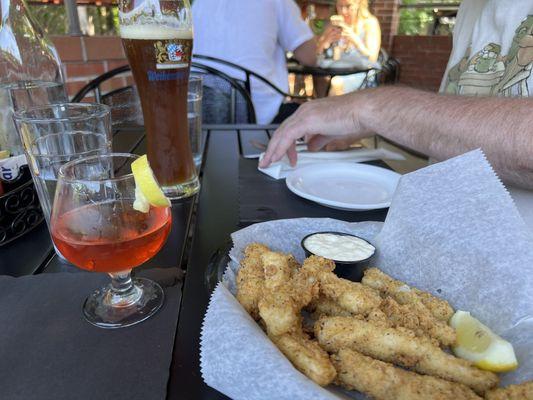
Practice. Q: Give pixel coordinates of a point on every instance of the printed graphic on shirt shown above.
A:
(489, 72)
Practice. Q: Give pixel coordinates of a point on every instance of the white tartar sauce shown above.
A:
(339, 247)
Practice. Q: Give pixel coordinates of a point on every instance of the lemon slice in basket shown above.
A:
(477, 343)
(147, 190)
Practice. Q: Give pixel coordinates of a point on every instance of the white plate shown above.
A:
(345, 186)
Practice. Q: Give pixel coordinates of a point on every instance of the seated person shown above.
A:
(256, 35)
(353, 35)
(442, 126)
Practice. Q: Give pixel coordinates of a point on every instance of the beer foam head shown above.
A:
(153, 32)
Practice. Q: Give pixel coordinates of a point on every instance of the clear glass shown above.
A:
(58, 133)
(194, 116)
(157, 38)
(27, 58)
(18, 96)
(28, 94)
(96, 228)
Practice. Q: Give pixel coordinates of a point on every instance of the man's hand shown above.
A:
(320, 122)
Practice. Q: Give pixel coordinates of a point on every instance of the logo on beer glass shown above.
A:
(175, 51)
(171, 54)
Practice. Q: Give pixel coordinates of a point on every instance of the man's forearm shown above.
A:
(445, 126)
(306, 52)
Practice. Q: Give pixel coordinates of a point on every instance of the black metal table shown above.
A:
(33, 253)
(299, 69)
(325, 74)
(233, 195)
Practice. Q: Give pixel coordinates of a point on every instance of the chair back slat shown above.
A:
(226, 99)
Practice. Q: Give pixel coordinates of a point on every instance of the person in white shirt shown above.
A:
(255, 34)
(488, 81)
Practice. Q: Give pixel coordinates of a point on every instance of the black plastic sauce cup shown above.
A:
(352, 270)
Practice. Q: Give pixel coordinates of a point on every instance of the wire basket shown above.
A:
(20, 210)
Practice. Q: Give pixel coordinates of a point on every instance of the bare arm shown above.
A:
(306, 52)
(437, 125)
(371, 45)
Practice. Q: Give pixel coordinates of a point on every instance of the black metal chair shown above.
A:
(387, 74)
(226, 99)
(249, 74)
(390, 68)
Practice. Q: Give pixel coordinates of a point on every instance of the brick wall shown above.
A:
(423, 59)
(388, 14)
(84, 58)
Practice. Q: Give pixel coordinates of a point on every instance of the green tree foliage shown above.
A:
(53, 19)
(417, 21)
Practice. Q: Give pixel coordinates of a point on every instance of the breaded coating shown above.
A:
(250, 278)
(325, 306)
(395, 346)
(307, 356)
(420, 321)
(276, 268)
(279, 310)
(384, 381)
(523, 391)
(293, 264)
(352, 296)
(284, 295)
(404, 294)
(317, 265)
(305, 287)
(378, 317)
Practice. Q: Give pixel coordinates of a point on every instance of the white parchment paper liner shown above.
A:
(452, 230)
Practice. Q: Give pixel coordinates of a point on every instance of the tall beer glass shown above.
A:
(157, 38)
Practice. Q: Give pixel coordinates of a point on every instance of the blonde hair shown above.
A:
(363, 11)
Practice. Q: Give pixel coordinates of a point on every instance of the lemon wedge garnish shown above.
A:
(477, 343)
(147, 190)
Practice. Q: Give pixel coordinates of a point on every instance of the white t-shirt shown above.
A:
(255, 34)
(493, 55)
(492, 49)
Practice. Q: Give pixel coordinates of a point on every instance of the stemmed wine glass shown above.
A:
(96, 228)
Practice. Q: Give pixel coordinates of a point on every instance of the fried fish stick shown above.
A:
(384, 381)
(307, 356)
(284, 296)
(325, 306)
(421, 322)
(305, 287)
(523, 391)
(279, 311)
(318, 265)
(395, 346)
(276, 267)
(250, 278)
(404, 294)
(352, 296)
(276, 306)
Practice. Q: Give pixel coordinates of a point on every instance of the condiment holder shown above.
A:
(353, 269)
